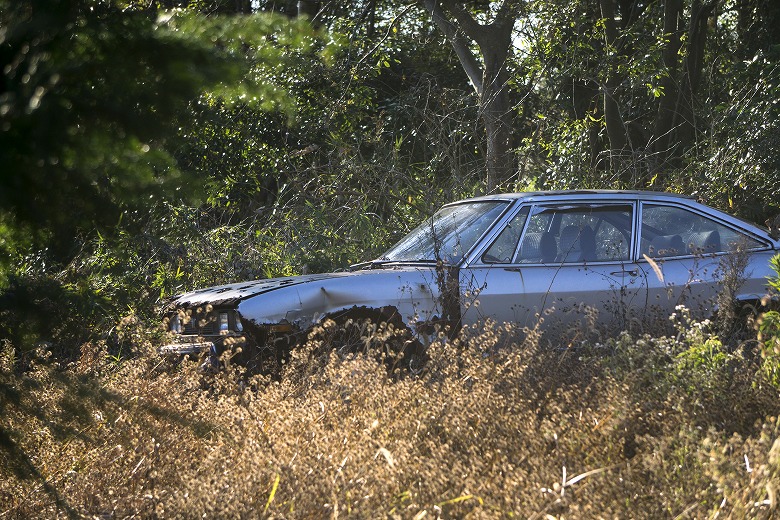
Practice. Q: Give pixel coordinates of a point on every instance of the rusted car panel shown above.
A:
(602, 258)
(412, 291)
(296, 304)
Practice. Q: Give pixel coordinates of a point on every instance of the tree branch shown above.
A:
(470, 26)
(467, 59)
(384, 38)
(505, 13)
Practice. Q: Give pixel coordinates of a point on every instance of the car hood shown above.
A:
(231, 294)
(303, 300)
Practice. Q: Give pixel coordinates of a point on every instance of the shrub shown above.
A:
(769, 332)
(490, 428)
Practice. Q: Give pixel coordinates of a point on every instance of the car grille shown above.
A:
(205, 322)
(209, 328)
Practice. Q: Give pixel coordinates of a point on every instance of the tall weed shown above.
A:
(488, 429)
(769, 330)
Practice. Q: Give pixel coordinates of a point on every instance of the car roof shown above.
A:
(581, 194)
(627, 195)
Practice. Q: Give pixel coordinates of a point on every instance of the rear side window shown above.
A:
(669, 231)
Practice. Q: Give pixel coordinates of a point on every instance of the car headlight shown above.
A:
(176, 327)
(224, 323)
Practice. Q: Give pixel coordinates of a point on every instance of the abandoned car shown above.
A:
(596, 258)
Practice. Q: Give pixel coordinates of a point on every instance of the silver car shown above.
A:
(568, 260)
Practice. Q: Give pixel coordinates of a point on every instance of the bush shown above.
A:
(769, 332)
(627, 428)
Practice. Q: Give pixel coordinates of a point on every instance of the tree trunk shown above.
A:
(496, 111)
(685, 123)
(675, 129)
(489, 78)
(664, 123)
(616, 130)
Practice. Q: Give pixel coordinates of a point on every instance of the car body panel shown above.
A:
(522, 294)
(236, 292)
(696, 281)
(410, 290)
(622, 290)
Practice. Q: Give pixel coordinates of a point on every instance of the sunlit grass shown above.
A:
(489, 429)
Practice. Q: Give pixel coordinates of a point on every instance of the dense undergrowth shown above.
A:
(634, 427)
(119, 194)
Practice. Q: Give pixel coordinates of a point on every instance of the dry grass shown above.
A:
(486, 431)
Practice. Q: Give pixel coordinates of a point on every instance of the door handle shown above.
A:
(633, 272)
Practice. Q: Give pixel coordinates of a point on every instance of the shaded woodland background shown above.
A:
(151, 147)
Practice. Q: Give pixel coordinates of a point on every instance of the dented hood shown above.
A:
(303, 300)
(234, 293)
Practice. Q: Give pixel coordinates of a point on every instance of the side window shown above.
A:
(674, 231)
(612, 243)
(577, 233)
(503, 248)
(538, 244)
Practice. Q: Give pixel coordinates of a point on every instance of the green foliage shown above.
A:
(69, 313)
(371, 150)
(725, 156)
(694, 370)
(741, 171)
(769, 336)
(86, 95)
(90, 96)
(91, 100)
(769, 332)
(701, 366)
(265, 43)
(567, 66)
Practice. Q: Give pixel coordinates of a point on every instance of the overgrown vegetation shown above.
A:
(634, 427)
(146, 152)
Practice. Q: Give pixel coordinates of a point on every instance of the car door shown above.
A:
(684, 254)
(566, 267)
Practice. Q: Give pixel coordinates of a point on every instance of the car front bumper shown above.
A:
(181, 349)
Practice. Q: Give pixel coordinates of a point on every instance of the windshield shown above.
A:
(449, 234)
